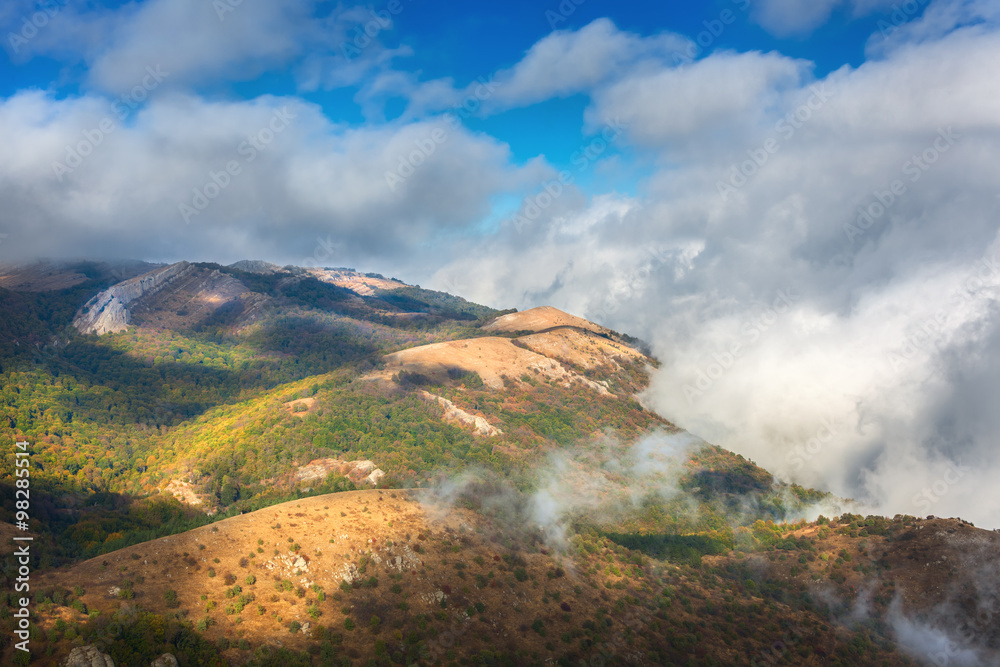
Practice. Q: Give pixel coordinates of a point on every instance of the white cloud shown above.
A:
(569, 62)
(798, 18)
(708, 100)
(882, 361)
(307, 179)
(785, 18)
(204, 43)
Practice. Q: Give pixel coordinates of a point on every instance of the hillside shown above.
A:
(398, 576)
(305, 428)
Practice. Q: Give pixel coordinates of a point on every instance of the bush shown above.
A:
(250, 580)
(294, 627)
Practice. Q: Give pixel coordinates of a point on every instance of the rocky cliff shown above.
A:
(108, 311)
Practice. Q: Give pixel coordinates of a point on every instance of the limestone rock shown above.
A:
(108, 311)
(89, 656)
(165, 660)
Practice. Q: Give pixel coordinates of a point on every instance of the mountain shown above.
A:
(253, 464)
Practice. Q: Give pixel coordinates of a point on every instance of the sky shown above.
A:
(794, 201)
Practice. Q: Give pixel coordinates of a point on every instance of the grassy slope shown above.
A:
(464, 584)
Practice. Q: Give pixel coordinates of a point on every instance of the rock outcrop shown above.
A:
(165, 660)
(455, 414)
(356, 471)
(89, 656)
(108, 311)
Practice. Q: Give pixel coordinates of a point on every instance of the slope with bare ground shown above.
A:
(542, 318)
(360, 283)
(496, 360)
(400, 578)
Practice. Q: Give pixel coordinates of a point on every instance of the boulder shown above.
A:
(89, 656)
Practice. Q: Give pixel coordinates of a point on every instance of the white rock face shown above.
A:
(453, 413)
(356, 471)
(108, 311)
(165, 660)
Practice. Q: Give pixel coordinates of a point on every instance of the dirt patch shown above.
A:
(184, 492)
(300, 407)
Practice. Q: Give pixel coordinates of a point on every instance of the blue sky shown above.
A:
(465, 42)
(801, 218)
